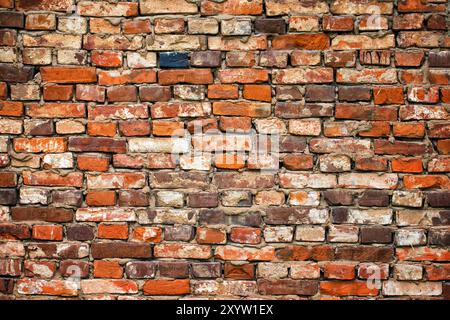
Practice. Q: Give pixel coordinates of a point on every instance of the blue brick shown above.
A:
(173, 60)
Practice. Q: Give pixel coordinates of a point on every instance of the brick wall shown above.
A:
(238, 148)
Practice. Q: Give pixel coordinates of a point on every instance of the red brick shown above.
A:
(136, 26)
(192, 76)
(210, 236)
(166, 287)
(223, 91)
(11, 109)
(134, 128)
(347, 288)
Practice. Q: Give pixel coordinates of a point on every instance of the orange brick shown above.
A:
(107, 269)
(407, 165)
(409, 130)
(147, 234)
(347, 288)
(106, 58)
(192, 76)
(168, 128)
(48, 232)
(245, 235)
(229, 161)
(101, 198)
(223, 91)
(92, 162)
(102, 129)
(113, 231)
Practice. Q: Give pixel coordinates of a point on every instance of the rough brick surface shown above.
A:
(240, 149)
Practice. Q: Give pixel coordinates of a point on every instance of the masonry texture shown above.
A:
(132, 137)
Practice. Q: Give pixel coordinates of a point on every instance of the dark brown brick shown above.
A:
(439, 199)
(287, 215)
(440, 59)
(67, 198)
(439, 237)
(289, 93)
(7, 285)
(442, 219)
(376, 235)
(365, 254)
(252, 219)
(340, 215)
(437, 22)
(50, 250)
(40, 128)
(8, 196)
(155, 93)
(374, 198)
(354, 94)
(338, 197)
(9, 19)
(207, 217)
(292, 144)
(74, 268)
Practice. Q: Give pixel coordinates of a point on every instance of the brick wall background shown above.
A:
(113, 116)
